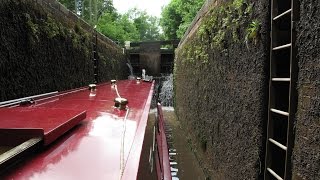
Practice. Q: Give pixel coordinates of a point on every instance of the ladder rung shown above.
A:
(278, 144)
(282, 47)
(280, 112)
(282, 14)
(281, 79)
(274, 174)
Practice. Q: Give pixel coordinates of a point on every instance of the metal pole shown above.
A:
(95, 56)
(95, 47)
(4, 103)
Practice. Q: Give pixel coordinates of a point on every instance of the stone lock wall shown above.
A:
(221, 88)
(306, 153)
(45, 47)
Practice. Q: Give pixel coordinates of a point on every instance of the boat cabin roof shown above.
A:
(82, 134)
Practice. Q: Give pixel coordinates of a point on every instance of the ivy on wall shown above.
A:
(222, 23)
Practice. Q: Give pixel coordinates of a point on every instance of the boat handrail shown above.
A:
(17, 101)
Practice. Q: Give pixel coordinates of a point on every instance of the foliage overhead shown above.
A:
(177, 17)
(135, 25)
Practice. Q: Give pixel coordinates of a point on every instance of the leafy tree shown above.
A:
(70, 4)
(119, 28)
(148, 26)
(89, 10)
(171, 19)
(135, 25)
(177, 17)
(153, 31)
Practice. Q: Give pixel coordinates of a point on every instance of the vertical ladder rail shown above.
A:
(282, 90)
(293, 92)
(95, 54)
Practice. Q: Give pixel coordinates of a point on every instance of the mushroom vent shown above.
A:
(113, 83)
(138, 79)
(120, 103)
(92, 87)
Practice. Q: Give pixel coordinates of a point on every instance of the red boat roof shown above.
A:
(105, 145)
(52, 123)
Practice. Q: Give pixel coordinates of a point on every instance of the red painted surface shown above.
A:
(92, 149)
(162, 153)
(53, 122)
(134, 158)
(158, 166)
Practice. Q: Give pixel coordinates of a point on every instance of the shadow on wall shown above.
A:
(43, 50)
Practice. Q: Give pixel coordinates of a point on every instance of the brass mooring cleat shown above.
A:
(92, 87)
(120, 103)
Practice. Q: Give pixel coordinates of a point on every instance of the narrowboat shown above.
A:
(95, 132)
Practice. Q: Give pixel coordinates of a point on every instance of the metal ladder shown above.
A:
(95, 55)
(282, 90)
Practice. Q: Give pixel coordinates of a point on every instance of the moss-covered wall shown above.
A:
(306, 153)
(221, 86)
(44, 50)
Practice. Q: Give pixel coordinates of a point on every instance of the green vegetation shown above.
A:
(177, 16)
(89, 10)
(52, 28)
(223, 22)
(252, 31)
(135, 25)
(223, 25)
(227, 17)
(33, 29)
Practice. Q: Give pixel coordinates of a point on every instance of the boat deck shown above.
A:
(105, 145)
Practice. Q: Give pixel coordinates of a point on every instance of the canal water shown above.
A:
(183, 162)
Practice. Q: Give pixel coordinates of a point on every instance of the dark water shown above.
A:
(183, 162)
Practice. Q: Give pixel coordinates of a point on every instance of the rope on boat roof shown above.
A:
(124, 128)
